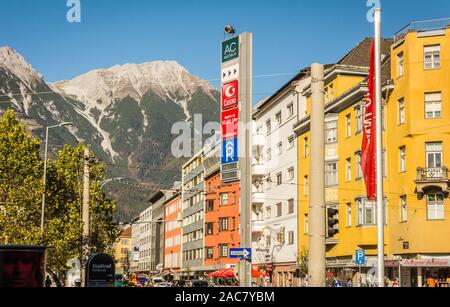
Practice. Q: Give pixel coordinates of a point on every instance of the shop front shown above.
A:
(428, 271)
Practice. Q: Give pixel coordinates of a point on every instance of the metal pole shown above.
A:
(45, 184)
(379, 139)
(85, 215)
(246, 157)
(317, 239)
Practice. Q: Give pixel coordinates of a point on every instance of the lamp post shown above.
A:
(45, 172)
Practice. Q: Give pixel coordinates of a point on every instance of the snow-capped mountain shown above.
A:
(125, 113)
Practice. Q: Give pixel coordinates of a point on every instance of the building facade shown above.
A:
(274, 212)
(121, 250)
(193, 211)
(172, 233)
(145, 240)
(415, 124)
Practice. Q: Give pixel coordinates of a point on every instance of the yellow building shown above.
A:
(416, 84)
(121, 251)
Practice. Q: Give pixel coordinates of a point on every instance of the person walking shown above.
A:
(48, 282)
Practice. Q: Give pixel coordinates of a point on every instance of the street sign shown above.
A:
(100, 271)
(230, 49)
(230, 124)
(230, 95)
(360, 258)
(229, 151)
(230, 73)
(241, 253)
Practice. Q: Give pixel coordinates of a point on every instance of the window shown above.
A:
(278, 118)
(279, 209)
(348, 125)
(209, 205)
(268, 241)
(432, 57)
(435, 207)
(306, 186)
(281, 236)
(290, 206)
(223, 251)
(400, 65)
(402, 159)
(434, 155)
(268, 126)
(306, 223)
(349, 215)
(224, 199)
(269, 183)
(268, 213)
(401, 111)
(433, 105)
(348, 168)
(359, 119)
(403, 209)
(305, 148)
(290, 109)
(279, 179)
(269, 155)
(223, 224)
(233, 223)
(331, 174)
(291, 142)
(331, 132)
(209, 253)
(367, 212)
(384, 158)
(280, 148)
(359, 172)
(329, 94)
(291, 238)
(291, 174)
(209, 229)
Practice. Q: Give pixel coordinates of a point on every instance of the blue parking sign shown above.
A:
(229, 151)
(360, 258)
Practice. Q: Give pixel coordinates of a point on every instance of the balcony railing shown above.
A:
(421, 26)
(432, 173)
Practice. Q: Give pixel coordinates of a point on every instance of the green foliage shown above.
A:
(21, 187)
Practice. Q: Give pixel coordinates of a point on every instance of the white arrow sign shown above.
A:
(230, 73)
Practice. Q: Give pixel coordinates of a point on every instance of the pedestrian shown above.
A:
(48, 282)
(337, 283)
(349, 283)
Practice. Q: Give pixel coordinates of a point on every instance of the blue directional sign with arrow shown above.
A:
(241, 253)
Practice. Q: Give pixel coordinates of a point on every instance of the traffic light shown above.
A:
(332, 222)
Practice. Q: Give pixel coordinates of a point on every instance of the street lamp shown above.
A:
(45, 171)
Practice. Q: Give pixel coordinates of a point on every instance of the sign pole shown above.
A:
(379, 143)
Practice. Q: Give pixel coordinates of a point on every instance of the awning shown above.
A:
(229, 273)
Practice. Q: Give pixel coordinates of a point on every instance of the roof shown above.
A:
(126, 232)
(360, 55)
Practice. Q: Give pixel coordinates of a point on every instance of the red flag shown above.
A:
(369, 155)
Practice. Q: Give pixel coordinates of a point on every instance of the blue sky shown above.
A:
(288, 34)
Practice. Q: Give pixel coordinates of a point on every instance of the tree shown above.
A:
(21, 183)
(21, 186)
(302, 263)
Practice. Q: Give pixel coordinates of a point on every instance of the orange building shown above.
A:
(221, 222)
(172, 234)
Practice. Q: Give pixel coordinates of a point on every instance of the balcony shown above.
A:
(422, 26)
(259, 141)
(257, 198)
(258, 171)
(257, 226)
(432, 180)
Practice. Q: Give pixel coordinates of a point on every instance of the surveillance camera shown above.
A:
(229, 29)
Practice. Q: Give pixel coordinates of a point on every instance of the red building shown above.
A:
(172, 234)
(221, 221)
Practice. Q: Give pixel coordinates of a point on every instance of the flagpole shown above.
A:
(379, 146)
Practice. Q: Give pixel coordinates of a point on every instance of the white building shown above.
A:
(135, 245)
(145, 243)
(275, 183)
